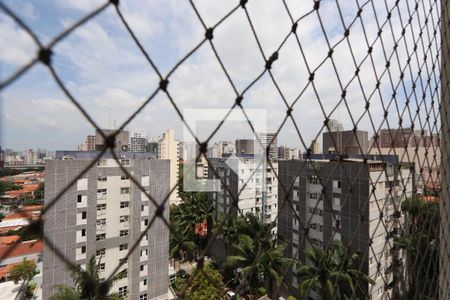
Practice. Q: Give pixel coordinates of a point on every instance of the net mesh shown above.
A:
(380, 65)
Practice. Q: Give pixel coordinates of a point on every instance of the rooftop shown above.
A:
(21, 249)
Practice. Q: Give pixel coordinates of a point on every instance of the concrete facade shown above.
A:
(103, 214)
(345, 201)
(345, 142)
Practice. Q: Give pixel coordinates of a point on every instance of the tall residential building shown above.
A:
(122, 139)
(222, 148)
(258, 181)
(345, 142)
(31, 157)
(394, 138)
(138, 142)
(288, 153)
(168, 149)
(88, 144)
(334, 126)
(245, 147)
(267, 138)
(352, 201)
(102, 215)
(315, 147)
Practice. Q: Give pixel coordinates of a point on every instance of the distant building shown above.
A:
(122, 139)
(334, 126)
(267, 138)
(245, 147)
(261, 187)
(288, 153)
(332, 200)
(88, 144)
(102, 215)
(31, 157)
(315, 147)
(138, 142)
(394, 138)
(345, 142)
(222, 148)
(168, 149)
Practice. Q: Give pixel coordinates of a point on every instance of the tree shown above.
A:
(6, 186)
(206, 284)
(88, 285)
(180, 241)
(25, 271)
(420, 239)
(258, 255)
(333, 272)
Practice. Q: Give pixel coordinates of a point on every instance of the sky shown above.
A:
(107, 74)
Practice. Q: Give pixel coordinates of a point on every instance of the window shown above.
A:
(125, 161)
(101, 237)
(144, 282)
(142, 207)
(146, 222)
(124, 219)
(124, 177)
(123, 260)
(123, 274)
(102, 267)
(100, 252)
(124, 232)
(83, 249)
(123, 291)
(83, 232)
(101, 178)
(144, 252)
(141, 268)
(101, 209)
(83, 215)
(125, 190)
(123, 247)
(143, 297)
(101, 222)
(124, 204)
(79, 198)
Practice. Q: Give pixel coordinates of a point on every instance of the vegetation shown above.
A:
(39, 193)
(194, 210)
(35, 231)
(25, 271)
(334, 273)
(257, 258)
(88, 285)
(39, 201)
(420, 239)
(6, 186)
(206, 284)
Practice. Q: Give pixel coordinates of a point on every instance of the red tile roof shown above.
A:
(18, 215)
(32, 207)
(7, 240)
(21, 249)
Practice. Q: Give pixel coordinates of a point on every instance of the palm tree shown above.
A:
(333, 272)
(88, 285)
(180, 241)
(259, 257)
(25, 271)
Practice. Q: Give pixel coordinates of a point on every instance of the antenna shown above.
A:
(109, 117)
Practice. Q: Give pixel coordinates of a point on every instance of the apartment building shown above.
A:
(258, 183)
(353, 201)
(103, 214)
(267, 138)
(349, 141)
(138, 142)
(168, 149)
(88, 144)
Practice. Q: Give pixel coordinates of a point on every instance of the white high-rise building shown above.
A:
(138, 142)
(168, 149)
(31, 157)
(267, 138)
